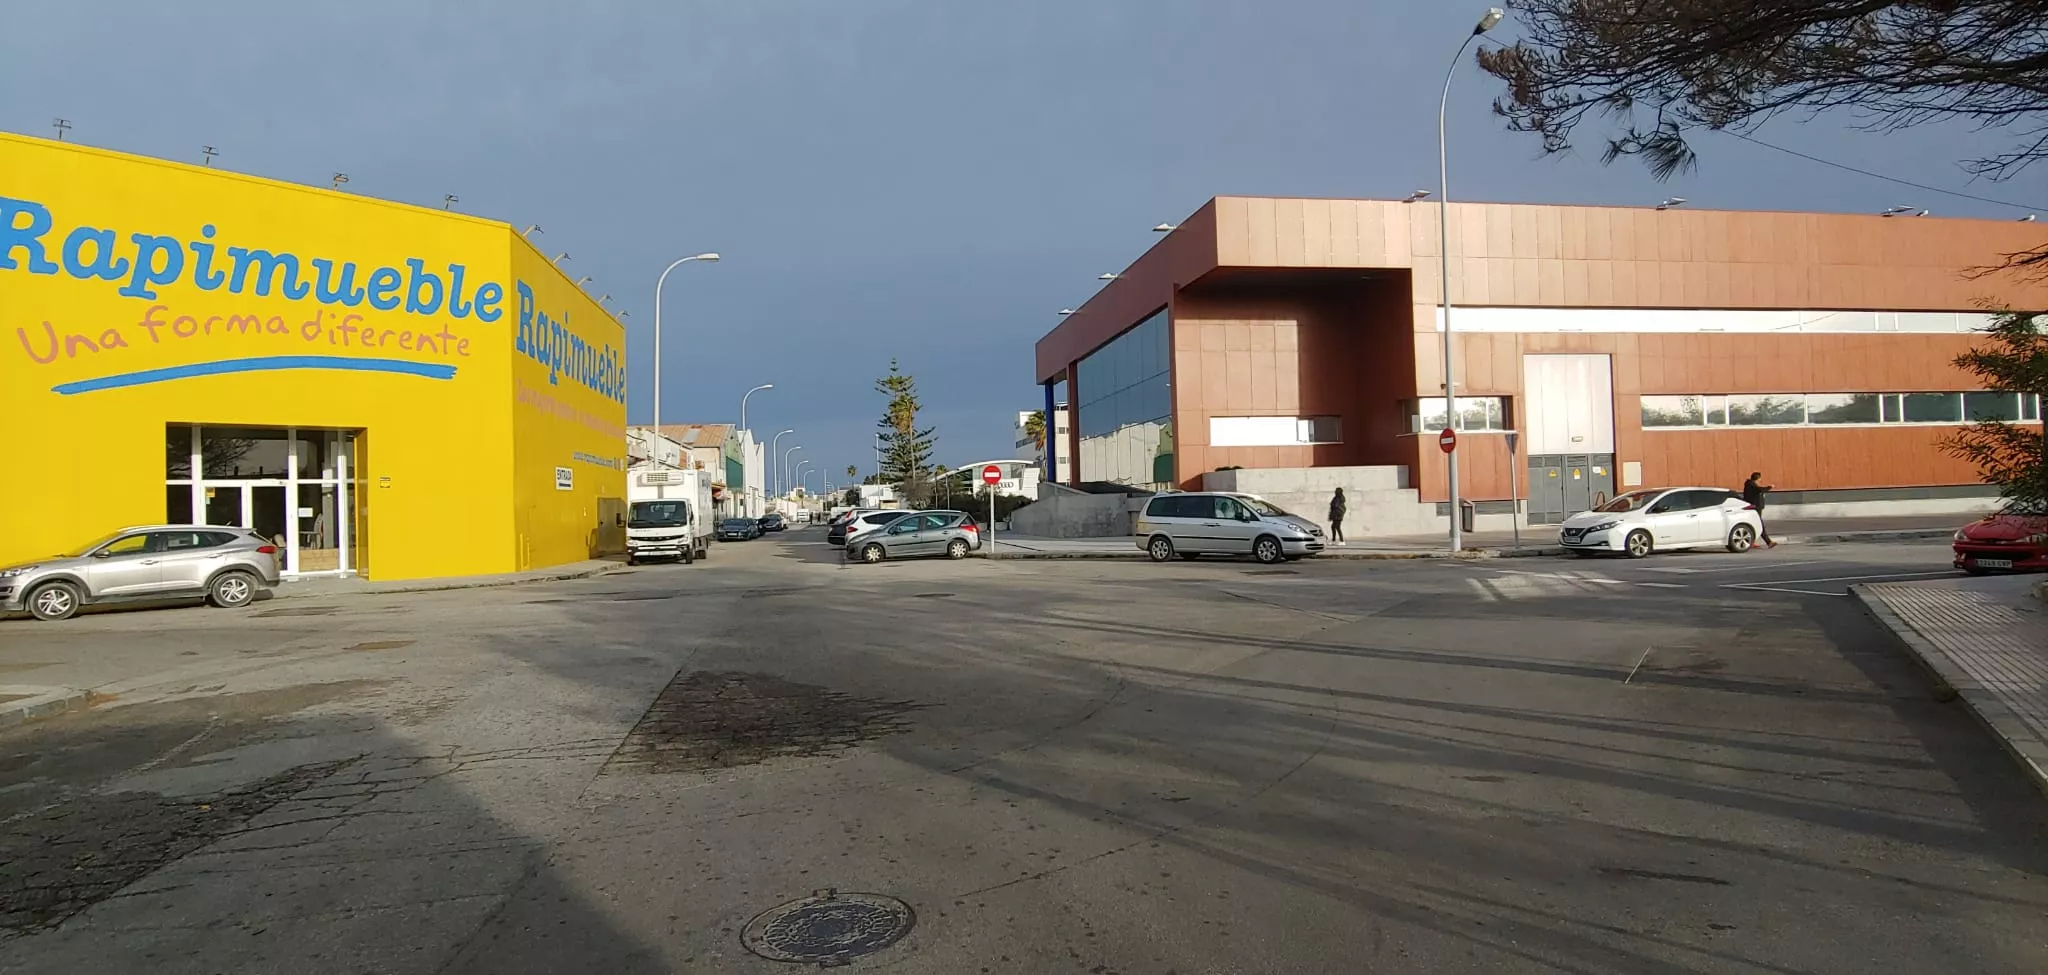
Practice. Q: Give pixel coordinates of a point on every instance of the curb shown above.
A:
(1324, 556)
(40, 703)
(2012, 734)
(443, 585)
(1902, 535)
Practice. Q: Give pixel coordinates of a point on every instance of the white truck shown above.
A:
(668, 515)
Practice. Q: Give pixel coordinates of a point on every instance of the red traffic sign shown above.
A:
(991, 474)
(1448, 440)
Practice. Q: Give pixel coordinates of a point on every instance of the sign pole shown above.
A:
(1514, 489)
(991, 475)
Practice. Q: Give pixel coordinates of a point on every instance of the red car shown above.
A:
(2013, 540)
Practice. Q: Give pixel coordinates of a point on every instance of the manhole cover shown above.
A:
(828, 928)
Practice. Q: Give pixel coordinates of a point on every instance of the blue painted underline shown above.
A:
(267, 363)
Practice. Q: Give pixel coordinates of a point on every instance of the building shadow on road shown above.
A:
(244, 833)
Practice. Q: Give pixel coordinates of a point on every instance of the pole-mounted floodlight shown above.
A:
(62, 126)
(449, 200)
(207, 153)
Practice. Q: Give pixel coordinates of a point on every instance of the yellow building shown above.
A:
(391, 391)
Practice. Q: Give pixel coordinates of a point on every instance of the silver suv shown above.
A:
(1216, 523)
(227, 566)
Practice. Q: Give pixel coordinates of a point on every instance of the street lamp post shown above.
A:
(1486, 23)
(774, 451)
(709, 258)
(743, 402)
(785, 462)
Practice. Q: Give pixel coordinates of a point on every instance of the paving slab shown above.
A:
(1988, 640)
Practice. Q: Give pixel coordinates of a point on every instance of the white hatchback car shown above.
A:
(1662, 519)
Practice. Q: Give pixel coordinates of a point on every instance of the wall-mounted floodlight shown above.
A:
(449, 200)
(1064, 312)
(207, 153)
(1417, 196)
(1108, 277)
(1895, 211)
(340, 178)
(531, 229)
(559, 258)
(1671, 201)
(2029, 218)
(1166, 228)
(586, 279)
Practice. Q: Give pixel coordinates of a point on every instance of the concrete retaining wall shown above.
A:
(1062, 512)
(1377, 500)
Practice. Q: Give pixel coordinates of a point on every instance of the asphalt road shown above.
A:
(1694, 763)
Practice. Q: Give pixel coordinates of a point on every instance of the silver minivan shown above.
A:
(1217, 523)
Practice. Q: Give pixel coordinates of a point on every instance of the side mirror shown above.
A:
(103, 554)
(1660, 509)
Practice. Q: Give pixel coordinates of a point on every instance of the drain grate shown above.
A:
(707, 720)
(828, 928)
(299, 611)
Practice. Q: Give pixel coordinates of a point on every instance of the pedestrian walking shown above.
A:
(1754, 491)
(1337, 517)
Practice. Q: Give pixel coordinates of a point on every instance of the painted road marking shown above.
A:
(1789, 585)
(1736, 568)
(1661, 585)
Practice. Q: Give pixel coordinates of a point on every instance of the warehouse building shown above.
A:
(1289, 345)
(386, 390)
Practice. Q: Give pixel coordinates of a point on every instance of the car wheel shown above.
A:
(872, 554)
(1267, 550)
(1741, 538)
(231, 590)
(1160, 548)
(1639, 544)
(53, 601)
(956, 549)
(689, 554)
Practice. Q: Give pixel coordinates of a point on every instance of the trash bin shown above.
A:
(1467, 513)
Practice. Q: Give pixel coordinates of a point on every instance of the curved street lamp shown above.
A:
(786, 469)
(709, 257)
(774, 451)
(1487, 22)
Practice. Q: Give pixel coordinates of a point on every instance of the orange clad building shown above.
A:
(1623, 347)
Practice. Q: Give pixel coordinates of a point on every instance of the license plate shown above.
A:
(1994, 563)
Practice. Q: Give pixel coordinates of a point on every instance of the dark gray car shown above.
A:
(919, 534)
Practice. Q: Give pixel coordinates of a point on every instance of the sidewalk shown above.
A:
(1538, 540)
(1988, 640)
(323, 587)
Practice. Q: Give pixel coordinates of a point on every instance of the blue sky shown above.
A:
(928, 180)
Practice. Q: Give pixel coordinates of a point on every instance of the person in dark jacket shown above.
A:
(1337, 517)
(1754, 491)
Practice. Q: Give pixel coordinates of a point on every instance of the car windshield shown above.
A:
(1629, 502)
(1264, 507)
(83, 552)
(738, 524)
(659, 514)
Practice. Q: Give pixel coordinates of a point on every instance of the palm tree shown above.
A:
(852, 474)
(1034, 427)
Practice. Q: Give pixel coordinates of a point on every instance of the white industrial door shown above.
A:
(1567, 404)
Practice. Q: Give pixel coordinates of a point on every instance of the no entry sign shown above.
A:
(990, 474)
(1448, 440)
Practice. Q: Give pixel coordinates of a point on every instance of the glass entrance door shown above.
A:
(289, 485)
